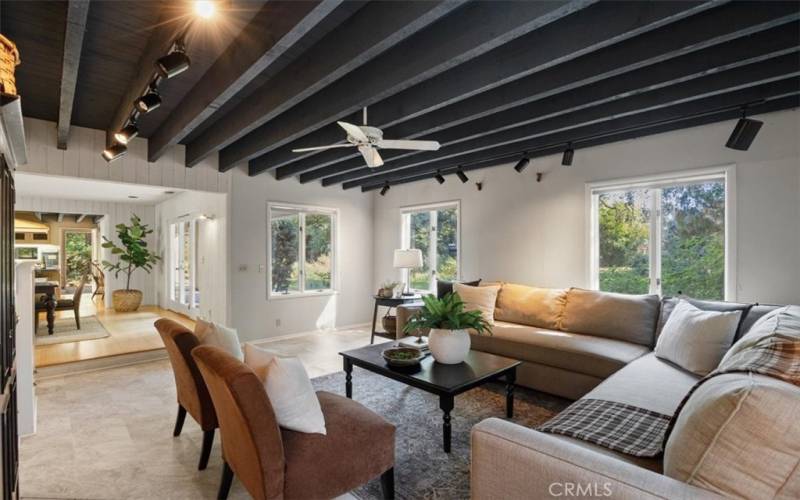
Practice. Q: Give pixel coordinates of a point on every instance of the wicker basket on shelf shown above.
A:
(9, 59)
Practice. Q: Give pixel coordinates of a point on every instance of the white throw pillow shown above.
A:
(219, 336)
(289, 390)
(696, 340)
(478, 298)
(784, 320)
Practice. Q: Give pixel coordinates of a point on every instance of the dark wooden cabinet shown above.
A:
(8, 321)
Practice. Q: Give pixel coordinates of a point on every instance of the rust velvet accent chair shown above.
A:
(193, 395)
(276, 463)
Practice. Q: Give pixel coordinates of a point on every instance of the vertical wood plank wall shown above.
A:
(114, 213)
(82, 159)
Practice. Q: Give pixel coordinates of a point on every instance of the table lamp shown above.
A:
(407, 259)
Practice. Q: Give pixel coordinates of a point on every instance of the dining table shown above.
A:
(48, 289)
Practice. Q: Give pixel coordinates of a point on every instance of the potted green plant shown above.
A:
(448, 322)
(132, 254)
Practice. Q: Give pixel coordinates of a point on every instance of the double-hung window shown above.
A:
(433, 229)
(302, 250)
(667, 234)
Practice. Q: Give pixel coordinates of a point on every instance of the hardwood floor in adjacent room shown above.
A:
(130, 333)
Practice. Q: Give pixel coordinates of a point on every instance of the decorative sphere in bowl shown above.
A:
(402, 356)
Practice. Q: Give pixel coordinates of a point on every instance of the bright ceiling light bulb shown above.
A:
(204, 8)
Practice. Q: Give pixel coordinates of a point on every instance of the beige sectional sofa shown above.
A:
(738, 436)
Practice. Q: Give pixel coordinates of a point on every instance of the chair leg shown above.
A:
(387, 484)
(208, 442)
(225, 484)
(179, 421)
(77, 318)
(35, 321)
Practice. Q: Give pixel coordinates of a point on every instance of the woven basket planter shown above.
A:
(126, 300)
(390, 324)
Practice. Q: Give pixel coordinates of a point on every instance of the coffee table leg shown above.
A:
(348, 378)
(446, 404)
(511, 378)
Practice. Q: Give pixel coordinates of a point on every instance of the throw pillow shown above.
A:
(219, 336)
(785, 320)
(444, 287)
(478, 298)
(289, 390)
(696, 340)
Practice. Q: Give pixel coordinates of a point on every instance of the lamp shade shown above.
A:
(408, 259)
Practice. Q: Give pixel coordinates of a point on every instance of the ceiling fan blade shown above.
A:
(354, 131)
(320, 148)
(403, 144)
(371, 156)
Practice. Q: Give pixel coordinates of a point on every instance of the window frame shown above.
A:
(727, 173)
(406, 244)
(302, 211)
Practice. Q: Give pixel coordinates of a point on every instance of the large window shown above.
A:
(665, 234)
(434, 230)
(302, 249)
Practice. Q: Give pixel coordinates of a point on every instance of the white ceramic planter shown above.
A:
(449, 347)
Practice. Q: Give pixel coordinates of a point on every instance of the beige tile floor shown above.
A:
(108, 434)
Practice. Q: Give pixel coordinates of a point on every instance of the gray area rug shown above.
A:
(422, 469)
(64, 330)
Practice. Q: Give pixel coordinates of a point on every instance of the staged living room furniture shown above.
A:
(273, 462)
(592, 345)
(51, 305)
(387, 302)
(445, 381)
(193, 396)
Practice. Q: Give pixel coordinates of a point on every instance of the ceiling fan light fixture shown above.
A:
(127, 134)
(569, 153)
(462, 176)
(522, 164)
(439, 178)
(114, 151)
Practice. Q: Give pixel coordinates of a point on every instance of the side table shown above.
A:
(390, 302)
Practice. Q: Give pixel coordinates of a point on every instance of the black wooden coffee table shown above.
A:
(446, 381)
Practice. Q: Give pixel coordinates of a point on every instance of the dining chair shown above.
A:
(193, 396)
(276, 463)
(99, 281)
(73, 304)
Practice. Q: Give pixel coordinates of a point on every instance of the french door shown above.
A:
(184, 292)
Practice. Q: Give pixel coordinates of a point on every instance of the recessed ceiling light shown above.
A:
(169, 192)
(133, 197)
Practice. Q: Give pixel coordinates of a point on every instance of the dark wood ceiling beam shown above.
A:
(641, 131)
(544, 133)
(688, 36)
(466, 33)
(370, 31)
(251, 52)
(556, 43)
(746, 54)
(77, 13)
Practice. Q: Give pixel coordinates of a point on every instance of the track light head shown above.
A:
(114, 151)
(522, 164)
(439, 178)
(461, 175)
(385, 188)
(127, 134)
(743, 133)
(569, 153)
(174, 63)
(148, 102)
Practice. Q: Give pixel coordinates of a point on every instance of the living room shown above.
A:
(406, 249)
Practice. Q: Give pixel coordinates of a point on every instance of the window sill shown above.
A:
(298, 295)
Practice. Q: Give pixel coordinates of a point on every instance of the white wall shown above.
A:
(212, 249)
(518, 230)
(252, 314)
(115, 213)
(82, 159)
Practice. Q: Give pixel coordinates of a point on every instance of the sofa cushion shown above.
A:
(668, 305)
(531, 306)
(737, 435)
(784, 320)
(595, 356)
(755, 313)
(630, 318)
(444, 287)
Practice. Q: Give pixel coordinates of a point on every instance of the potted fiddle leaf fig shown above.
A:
(448, 322)
(132, 254)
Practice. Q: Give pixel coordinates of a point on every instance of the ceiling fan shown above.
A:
(369, 139)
